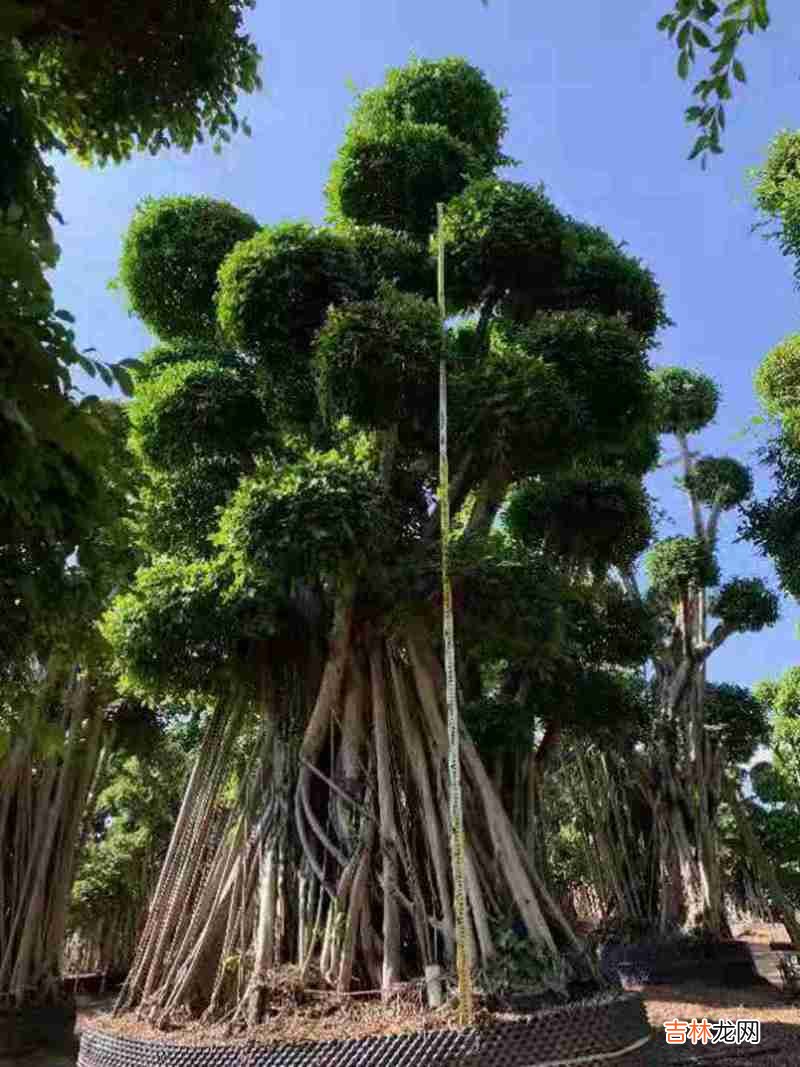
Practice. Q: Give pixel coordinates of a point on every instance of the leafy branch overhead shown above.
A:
(704, 29)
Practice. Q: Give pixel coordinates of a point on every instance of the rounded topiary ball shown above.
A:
(675, 564)
(297, 520)
(377, 361)
(636, 454)
(171, 253)
(391, 256)
(592, 516)
(600, 276)
(721, 481)
(194, 410)
(745, 604)
(503, 238)
(779, 178)
(744, 721)
(179, 508)
(396, 178)
(778, 379)
(450, 93)
(275, 291)
(600, 359)
(189, 350)
(176, 628)
(686, 401)
(513, 404)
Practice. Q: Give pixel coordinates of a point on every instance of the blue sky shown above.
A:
(595, 113)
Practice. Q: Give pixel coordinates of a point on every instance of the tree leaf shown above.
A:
(738, 71)
(683, 66)
(123, 379)
(700, 37)
(105, 374)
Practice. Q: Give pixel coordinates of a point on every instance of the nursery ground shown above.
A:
(780, 1017)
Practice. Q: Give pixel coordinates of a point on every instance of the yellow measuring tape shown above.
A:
(463, 963)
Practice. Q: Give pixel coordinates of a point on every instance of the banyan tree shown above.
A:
(652, 802)
(59, 719)
(286, 425)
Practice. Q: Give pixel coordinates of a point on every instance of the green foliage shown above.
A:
(601, 361)
(496, 725)
(245, 531)
(602, 704)
(686, 401)
(773, 525)
(396, 178)
(518, 967)
(190, 350)
(777, 193)
(524, 590)
(134, 818)
(171, 254)
(609, 627)
(48, 441)
(196, 410)
(503, 239)
(177, 629)
(636, 454)
(720, 481)
(589, 516)
(392, 256)
(743, 718)
(179, 510)
(275, 291)
(63, 540)
(445, 92)
(699, 26)
(778, 385)
(745, 604)
(782, 696)
(600, 276)
(515, 403)
(377, 361)
(301, 519)
(778, 181)
(678, 563)
(111, 79)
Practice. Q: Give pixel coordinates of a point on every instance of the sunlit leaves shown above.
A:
(678, 564)
(119, 79)
(503, 238)
(171, 254)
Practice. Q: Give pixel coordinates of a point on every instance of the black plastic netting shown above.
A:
(602, 1026)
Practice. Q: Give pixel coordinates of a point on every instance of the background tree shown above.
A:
(681, 571)
(656, 842)
(289, 516)
(774, 524)
(125, 833)
(102, 82)
(56, 719)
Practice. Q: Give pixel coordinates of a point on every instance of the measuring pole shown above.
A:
(463, 963)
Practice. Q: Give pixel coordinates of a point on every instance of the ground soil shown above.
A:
(324, 1017)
